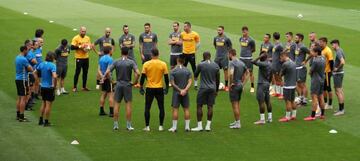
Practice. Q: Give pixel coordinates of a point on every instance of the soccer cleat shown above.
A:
(309, 118)
(111, 115)
(58, 92)
(284, 119)
(259, 122)
(161, 128)
(116, 127)
(226, 89)
(172, 129)
(328, 107)
(252, 90)
(147, 129)
(269, 120)
(207, 128)
(339, 113)
(64, 92)
(292, 118)
(97, 86)
(102, 113)
(236, 126)
(322, 117)
(196, 129)
(85, 89)
(74, 89)
(232, 124)
(41, 122)
(24, 120)
(187, 129)
(130, 128)
(47, 124)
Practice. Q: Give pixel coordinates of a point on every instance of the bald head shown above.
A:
(82, 31)
(107, 31)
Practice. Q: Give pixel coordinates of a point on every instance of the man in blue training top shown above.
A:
(106, 82)
(47, 70)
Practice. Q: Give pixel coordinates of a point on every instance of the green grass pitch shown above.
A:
(76, 115)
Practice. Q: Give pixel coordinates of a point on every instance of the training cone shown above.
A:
(75, 142)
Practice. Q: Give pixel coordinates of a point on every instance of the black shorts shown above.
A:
(61, 71)
(262, 92)
(47, 94)
(289, 94)
(301, 75)
(173, 60)
(123, 92)
(317, 88)
(327, 83)
(206, 97)
(338, 80)
(22, 87)
(178, 100)
(107, 86)
(222, 62)
(235, 93)
(248, 64)
(31, 80)
(190, 58)
(147, 57)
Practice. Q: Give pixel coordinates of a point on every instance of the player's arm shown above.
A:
(214, 42)
(229, 44)
(112, 46)
(217, 80)
(171, 41)
(155, 41)
(100, 73)
(137, 74)
(197, 71)
(141, 47)
(54, 79)
(231, 74)
(74, 45)
(253, 46)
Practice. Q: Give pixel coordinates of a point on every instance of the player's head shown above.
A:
(50, 56)
(82, 31)
(40, 41)
(289, 36)
(276, 36)
(315, 51)
(180, 60)
(176, 26)
(323, 42)
(267, 37)
(147, 27)
(232, 53)
(35, 44)
(206, 55)
(335, 43)
(107, 49)
(245, 31)
(312, 36)
(23, 49)
(124, 50)
(263, 56)
(64, 42)
(187, 26)
(39, 33)
(154, 52)
(299, 37)
(220, 30)
(107, 31)
(28, 43)
(126, 29)
(284, 56)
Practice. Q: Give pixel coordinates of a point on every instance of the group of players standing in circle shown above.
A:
(282, 73)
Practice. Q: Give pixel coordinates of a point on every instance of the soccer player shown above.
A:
(313, 39)
(148, 41)
(47, 70)
(30, 56)
(300, 56)
(247, 47)
(262, 90)
(338, 73)
(317, 69)
(22, 67)
(290, 45)
(288, 71)
(128, 40)
(209, 86)
(81, 44)
(329, 67)
(222, 45)
(153, 71)
(175, 44)
(61, 57)
(37, 50)
(103, 41)
(267, 46)
(190, 43)
(276, 65)
(180, 78)
(123, 90)
(237, 70)
(106, 82)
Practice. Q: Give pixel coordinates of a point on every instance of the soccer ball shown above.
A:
(297, 100)
(221, 86)
(300, 16)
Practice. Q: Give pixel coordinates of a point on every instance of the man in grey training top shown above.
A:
(222, 45)
(123, 90)
(148, 41)
(247, 47)
(209, 86)
(175, 44)
(338, 74)
(276, 65)
(61, 56)
(300, 56)
(290, 45)
(128, 40)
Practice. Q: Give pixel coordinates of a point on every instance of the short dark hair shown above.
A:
(284, 53)
(27, 41)
(50, 56)
(39, 33)
(107, 49)
(124, 50)
(177, 23)
(124, 26)
(232, 52)
(33, 42)
(155, 52)
(180, 59)
(276, 35)
(317, 49)
(263, 56)
(23, 48)
(301, 36)
(147, 24)
(335, 41)
(222, 27)
(289, 33)
(187, 23)
(64, 42)
(206, 55)
(267, 34)
(244, 28)
(323, 39)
